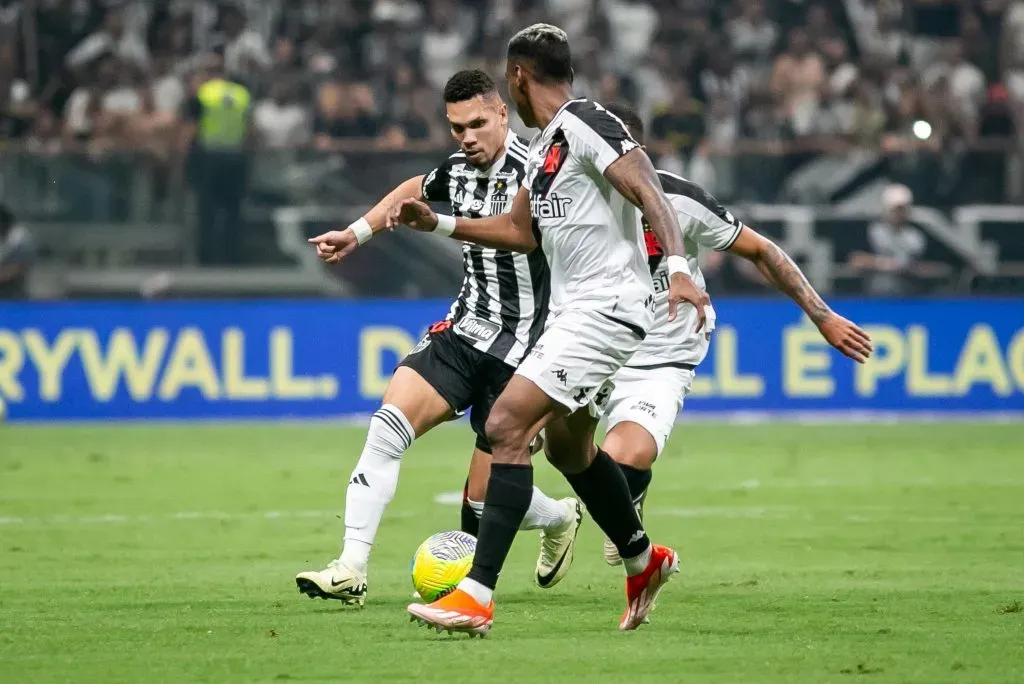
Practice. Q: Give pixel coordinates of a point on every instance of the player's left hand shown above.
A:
(847, 337)
(681, 288)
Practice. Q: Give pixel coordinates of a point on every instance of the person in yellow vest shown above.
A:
(219, 131)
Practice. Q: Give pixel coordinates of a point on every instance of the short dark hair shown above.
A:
(630, 118)
(467, 84)
(546, 48)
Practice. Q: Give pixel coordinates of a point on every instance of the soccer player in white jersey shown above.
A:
(585, 179)
(465, 360)
(650, 388)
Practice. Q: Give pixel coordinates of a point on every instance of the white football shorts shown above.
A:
(576, 357)
(649, 397)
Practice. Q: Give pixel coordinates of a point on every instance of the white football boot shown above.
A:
(611, 554)
(556, 548)
(337, 581)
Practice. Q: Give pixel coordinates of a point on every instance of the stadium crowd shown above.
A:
(711, 78)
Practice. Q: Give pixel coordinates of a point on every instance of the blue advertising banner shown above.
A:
(85, 360)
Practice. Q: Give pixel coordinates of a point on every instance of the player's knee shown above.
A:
(631, 445)
(507, 434)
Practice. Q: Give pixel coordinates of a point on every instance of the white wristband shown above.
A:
(362, 230)
(678, 264)
(445, 225)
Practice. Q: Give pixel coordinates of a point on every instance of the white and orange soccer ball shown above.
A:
(441, 562)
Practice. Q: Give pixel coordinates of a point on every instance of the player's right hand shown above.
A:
(334, 245)
(414, 213)
(681, 288)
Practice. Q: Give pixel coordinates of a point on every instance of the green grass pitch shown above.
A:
(157, 553)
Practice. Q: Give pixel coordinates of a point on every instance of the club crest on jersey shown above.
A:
(554, 158)
(477, 329)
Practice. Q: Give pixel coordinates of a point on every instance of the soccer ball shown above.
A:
(441, 563)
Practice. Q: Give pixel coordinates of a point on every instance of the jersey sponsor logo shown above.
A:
(477, 205)
(646, 407)
(477, 329)
(660, 281)
(555, 206)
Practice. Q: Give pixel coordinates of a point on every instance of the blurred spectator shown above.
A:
(317, 54)
(634, 23)
(112, 38)
(677, 128)
(345, 112)
(44, 139)
(245, 50)
(17, 255)
(16, 105)
(444, 46)
(1011, 51)
(753, 37)
(279, 121)
(895, 264)
(867, 117)
(419, 121)
(965, 81)
(723, 80)
(827, 39)
(797, 80)
(167, 89)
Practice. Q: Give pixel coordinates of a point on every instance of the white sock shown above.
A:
(373, 483)
(637, 564)
(479, 592)
(545, 513)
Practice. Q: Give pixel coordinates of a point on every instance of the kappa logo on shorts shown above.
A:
(477, 329)
(562, 376)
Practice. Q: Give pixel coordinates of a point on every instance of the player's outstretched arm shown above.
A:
(633, 175)
(335, 245)
(513, 231)
(782, 272)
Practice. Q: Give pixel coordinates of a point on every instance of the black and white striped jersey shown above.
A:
(503, 302)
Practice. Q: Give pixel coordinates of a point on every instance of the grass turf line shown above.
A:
(810, 554)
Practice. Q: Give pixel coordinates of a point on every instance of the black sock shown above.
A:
(509, 492)
(603, 489)
(638, 481)
(470, 523)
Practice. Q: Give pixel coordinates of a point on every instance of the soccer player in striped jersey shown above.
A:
(464, 361)
(650, 388)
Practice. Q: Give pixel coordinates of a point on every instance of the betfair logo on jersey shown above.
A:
(554, 206)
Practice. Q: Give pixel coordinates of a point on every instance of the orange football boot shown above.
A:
(642, 589)
(454, 612)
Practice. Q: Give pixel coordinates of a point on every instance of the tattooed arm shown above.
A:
(634, 177)
(780, 270)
